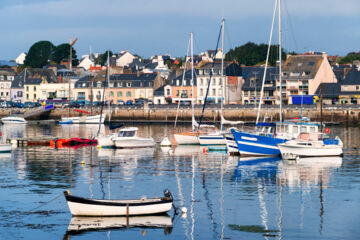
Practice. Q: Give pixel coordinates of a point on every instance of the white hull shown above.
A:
(13, 120)
(184, 139)
(5, 148)
(106, 141)
(84, 120)
(231, 146)
(95, 207)
(312, 150)
(133, 142)
(212, 139)
(78, 224)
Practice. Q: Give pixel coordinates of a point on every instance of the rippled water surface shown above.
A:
(225, 198)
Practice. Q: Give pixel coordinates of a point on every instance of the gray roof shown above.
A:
(257, 74)
(159, 91)
(306, 66)
(34, 73)
(231, 68)
(352, 77)
(187, 78)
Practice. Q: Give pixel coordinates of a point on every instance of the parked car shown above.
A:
(120, 102)
(129, 102)
(29, 104)
(139, 102)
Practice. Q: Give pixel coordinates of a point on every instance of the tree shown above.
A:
(39, 54)
(63, 52)
(252, 54)
(350, 58)
(102, 59)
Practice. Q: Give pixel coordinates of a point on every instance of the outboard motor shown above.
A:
(167, 193)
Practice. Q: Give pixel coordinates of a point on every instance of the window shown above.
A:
(177, 93)
(34, 96)
(27, 96)
(177, 82)
(184, 83)
(299, 64)
(312, 129)
(219, 81)
(2, 94)
(27, 88)
(214, 82)
(201, 81)
(34, 88)
(111, 84)
(19, 94)
(98, 84)
(357, 88)
(303, 128)
(128, 94)
(295, 129)
(119, 94)
(84, 84)
(111, 94)
(1, 77)
(311, 63)
(81, 96)
(201, 92)
(219, 92)
(11, 78)
(128, 84)
(167, 92)
(214, 92)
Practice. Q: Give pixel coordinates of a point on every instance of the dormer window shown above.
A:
(98, 84)
(128, 84)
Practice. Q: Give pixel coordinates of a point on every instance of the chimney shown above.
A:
(138, 73)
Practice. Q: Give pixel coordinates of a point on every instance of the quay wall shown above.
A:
(344, 116)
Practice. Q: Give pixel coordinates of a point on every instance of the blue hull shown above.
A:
(250, 144)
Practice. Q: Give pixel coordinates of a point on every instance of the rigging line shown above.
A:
(266, 63)
(291, 25)
(211, 72)
(182, 83)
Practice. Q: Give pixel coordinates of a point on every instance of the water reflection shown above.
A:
(80, 225)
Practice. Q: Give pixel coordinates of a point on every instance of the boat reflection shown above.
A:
(79, 225)
(264, 168)
(135, 153)
(307, 171)
(5, 156)
(186, 150)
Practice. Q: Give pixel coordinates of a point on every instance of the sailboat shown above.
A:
(189, 137)
(218, 137)
(92, 119)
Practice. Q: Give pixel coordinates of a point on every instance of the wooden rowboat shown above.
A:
(95, 207)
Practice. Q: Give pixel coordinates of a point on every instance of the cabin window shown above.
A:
(312, 129)
(303, 129)
(295, 129)
(126, 134)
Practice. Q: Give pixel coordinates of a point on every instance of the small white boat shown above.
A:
(311, 145)
(231, 145)
(83, 120)
(95, 207)
(13, 120)
(127, 138)
(216, 138)
(81, 224)
(106, 141)
(5, 148)
(187, 138)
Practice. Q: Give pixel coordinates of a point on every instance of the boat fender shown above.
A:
(68, 191)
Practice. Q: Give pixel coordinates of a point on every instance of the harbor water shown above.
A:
(225, 197)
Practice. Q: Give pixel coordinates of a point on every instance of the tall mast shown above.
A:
(222, 75)
(108, 81)
(70, 68)
(280, 80)
(192, 80)
(91, 92)
(266, 64)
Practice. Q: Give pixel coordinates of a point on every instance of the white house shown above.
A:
(86, 62)
(21, 58)
(125, 58)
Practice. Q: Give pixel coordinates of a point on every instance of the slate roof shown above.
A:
(231, 68)
(159, 91)
(250, 73)
(84, 82)
(187, 78)
(135, 80)
(38, 73)
(331, 90)
(305, 65)
(352, 77)
(33, 81)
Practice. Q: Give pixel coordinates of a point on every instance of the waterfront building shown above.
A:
(86, 62)
(303, 74)
(6, 78)
(125, 58)
(159, 95)
(180, 88)
(82, 88)
(130, 87)
(233, 82)
(251, 88)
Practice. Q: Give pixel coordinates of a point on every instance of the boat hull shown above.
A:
(5, 148)
(133, 142)
(251, 144)
(84, 120)
(231, 146)
(91, 207)
(13, 120)
(106, 141)
(310, 151)
(212, 139)
(188, 138)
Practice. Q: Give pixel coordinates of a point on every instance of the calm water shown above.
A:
(225, 198)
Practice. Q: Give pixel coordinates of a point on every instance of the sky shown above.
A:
(149, 27)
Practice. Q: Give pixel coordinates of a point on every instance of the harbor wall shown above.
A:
(349, 116)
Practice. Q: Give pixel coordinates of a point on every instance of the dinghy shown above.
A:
(95, 207)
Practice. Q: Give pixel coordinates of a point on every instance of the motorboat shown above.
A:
(231, 146)
(127, 138)
(83, 224)
(13, 120)
(312, 145)
(5, 148)
(216, 138)
(187, 138)
(95, 207)
(106, 141)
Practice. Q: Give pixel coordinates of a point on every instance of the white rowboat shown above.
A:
(95, 207)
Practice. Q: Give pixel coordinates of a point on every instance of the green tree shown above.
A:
(350, 57)
(102, 59)
(39, 54)
(251, 54)
(62, 52)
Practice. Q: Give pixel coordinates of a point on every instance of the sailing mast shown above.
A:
(108, 82)
(280, 80)
(222, 76)
(91, 93)
(193, 122)
(266, 65)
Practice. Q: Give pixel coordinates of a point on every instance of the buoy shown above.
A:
(205, 150)
(82, 162)
(184, 210)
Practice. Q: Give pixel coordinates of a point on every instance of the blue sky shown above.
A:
(148, 27)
